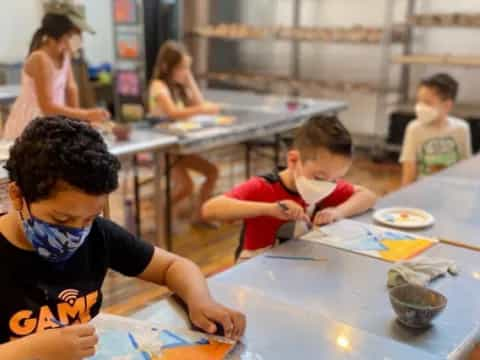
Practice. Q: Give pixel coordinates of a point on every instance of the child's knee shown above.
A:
(189, 186)
(185, 187)
(213, 173)
(216, 173)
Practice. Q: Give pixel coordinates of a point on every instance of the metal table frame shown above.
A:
(145, 141)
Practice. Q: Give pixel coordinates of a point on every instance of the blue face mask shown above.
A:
(54, 243)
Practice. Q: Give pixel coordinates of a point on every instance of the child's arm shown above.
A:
(409, 172)
(196, 94)
(22, 349)
(360, 201)
(224, 208)
(408, 156)
(185, 279)
(72, 97)
(39, 68)
(69, 343)
(165, 105)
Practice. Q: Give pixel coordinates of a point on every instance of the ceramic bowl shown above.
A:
(122, 132)
(416, 306)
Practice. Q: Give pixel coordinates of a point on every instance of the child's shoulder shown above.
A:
(159, 86)
(35, 59)
(459, 123)
(415, 126)
(158, 82)
(255, 188)
(259, 182)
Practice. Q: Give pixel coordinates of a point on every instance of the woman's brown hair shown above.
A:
(169, 56)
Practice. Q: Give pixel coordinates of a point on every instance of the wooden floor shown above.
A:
(213, 250)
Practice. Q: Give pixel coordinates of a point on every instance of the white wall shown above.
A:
(18, 21)
(99, 47)
(20, 18)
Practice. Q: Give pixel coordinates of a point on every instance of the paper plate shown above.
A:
(404, 218)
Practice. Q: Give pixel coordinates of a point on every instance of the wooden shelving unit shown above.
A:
(446, 20)
(395, 34)
(296, 33)
(264, 82)
(353, 35)
(409, 58)
(438, 59)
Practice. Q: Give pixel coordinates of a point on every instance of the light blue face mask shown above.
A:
(54, 243)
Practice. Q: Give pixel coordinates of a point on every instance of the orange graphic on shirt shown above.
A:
(69, 296)
(74, 310)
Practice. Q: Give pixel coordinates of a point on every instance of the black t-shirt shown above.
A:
(34, 291)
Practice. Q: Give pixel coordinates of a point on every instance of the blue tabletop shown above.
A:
(452, 197)
(279, 330)
(306, 310)
(255, 117)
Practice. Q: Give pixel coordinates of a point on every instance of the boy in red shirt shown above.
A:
(320, 156)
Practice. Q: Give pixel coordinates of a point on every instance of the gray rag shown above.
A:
(420, 271)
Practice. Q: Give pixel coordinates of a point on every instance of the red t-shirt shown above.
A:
(260, 232)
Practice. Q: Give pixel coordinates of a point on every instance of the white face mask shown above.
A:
(75, 44)
(426, 114)
(313, 191)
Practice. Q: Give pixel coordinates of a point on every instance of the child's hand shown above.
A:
(210, 108)
(475, 355)
(206, 315)
(97, 115)
(289, 210)
(327, 216)
(75, 342)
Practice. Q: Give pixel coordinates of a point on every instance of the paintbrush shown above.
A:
(299, 258)
(60, 324)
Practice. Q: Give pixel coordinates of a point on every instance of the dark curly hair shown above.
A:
(53, 149)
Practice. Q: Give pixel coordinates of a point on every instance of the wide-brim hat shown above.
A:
(75, 13)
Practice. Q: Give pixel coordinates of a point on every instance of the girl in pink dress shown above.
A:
(48, 86)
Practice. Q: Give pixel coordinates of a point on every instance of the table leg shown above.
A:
(168, 202)
(157, 200)
(247, 160)
(136, 189)
(276, 155)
